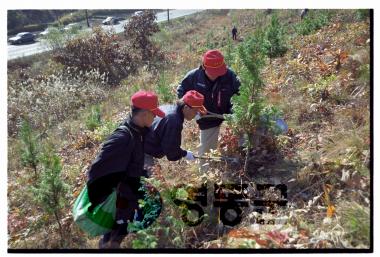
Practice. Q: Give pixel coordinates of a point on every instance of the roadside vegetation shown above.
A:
(314, 73)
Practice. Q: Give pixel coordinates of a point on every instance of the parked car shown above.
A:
(110, 21)
(137, 13)
(22, 37)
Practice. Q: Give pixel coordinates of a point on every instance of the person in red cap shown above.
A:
(217, 83)
(164, 139)
(120, 164)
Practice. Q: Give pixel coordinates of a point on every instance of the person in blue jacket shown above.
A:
(217, 83)
(119, 165)
(164, 138)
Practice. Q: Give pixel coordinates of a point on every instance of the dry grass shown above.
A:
(322, 149)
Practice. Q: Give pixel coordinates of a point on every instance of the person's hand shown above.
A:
(190, 156)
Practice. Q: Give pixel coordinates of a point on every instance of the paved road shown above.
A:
(16, 51)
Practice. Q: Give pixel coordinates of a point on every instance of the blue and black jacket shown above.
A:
(217, 93)
(164, 138)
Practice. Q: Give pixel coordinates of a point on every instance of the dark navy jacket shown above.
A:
(120, 161)
(217, 94)
(164, 138)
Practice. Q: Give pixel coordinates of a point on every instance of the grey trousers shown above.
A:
(208, 141)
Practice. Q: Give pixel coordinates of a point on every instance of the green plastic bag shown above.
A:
(100, 220)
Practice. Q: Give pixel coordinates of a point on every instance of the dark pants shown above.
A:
(149, 163)
(234, 36)
(127, 210)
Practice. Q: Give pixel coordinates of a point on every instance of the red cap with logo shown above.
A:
(147, 101)
(213, 62)
(194, 99)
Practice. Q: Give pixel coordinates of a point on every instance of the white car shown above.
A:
(45, 32)
(109, 21)
(138, 13)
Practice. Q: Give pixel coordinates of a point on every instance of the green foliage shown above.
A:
(164, 89)
(210, 42)
(315, 90)
(150, 206)
(169, 232)
(248, 104)
(229, 51)
(177, 237)
(50, 192)
(313, 21)
(355, 219)
(268, 116)
(72, 17)
(99, 52)
(29, 150)
(104, 130)
(364, 73)
(21, 18)
(93, 120)
(57, 37)
(144, 240)
(275, 43)
(362, 14)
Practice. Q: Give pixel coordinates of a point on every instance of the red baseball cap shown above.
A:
(147, 101)
(194, 99)
(213, 62)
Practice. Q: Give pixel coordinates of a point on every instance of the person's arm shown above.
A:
(171, 140)
(235, 89)
(109, 167)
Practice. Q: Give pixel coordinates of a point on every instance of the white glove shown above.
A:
(190, 156)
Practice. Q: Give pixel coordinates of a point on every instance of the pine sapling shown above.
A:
(50, 192)
(29, 150)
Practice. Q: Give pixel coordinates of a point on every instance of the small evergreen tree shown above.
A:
(315, 20)
(29, 151)
(248, 104)
(164, 89)
(362, 14)
(93, 120)
(251, 114)
(275, 39)
(229, 52)
(51, 190)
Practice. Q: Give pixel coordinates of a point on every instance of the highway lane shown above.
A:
(16, 51)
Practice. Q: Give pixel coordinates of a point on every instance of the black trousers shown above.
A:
(127, 210)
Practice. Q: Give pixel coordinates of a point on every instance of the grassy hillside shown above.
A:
(322, 85)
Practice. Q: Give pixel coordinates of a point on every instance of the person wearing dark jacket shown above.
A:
(234, 33)
(304, 13)
(119, 165)
(164, 138)
(217, 83)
